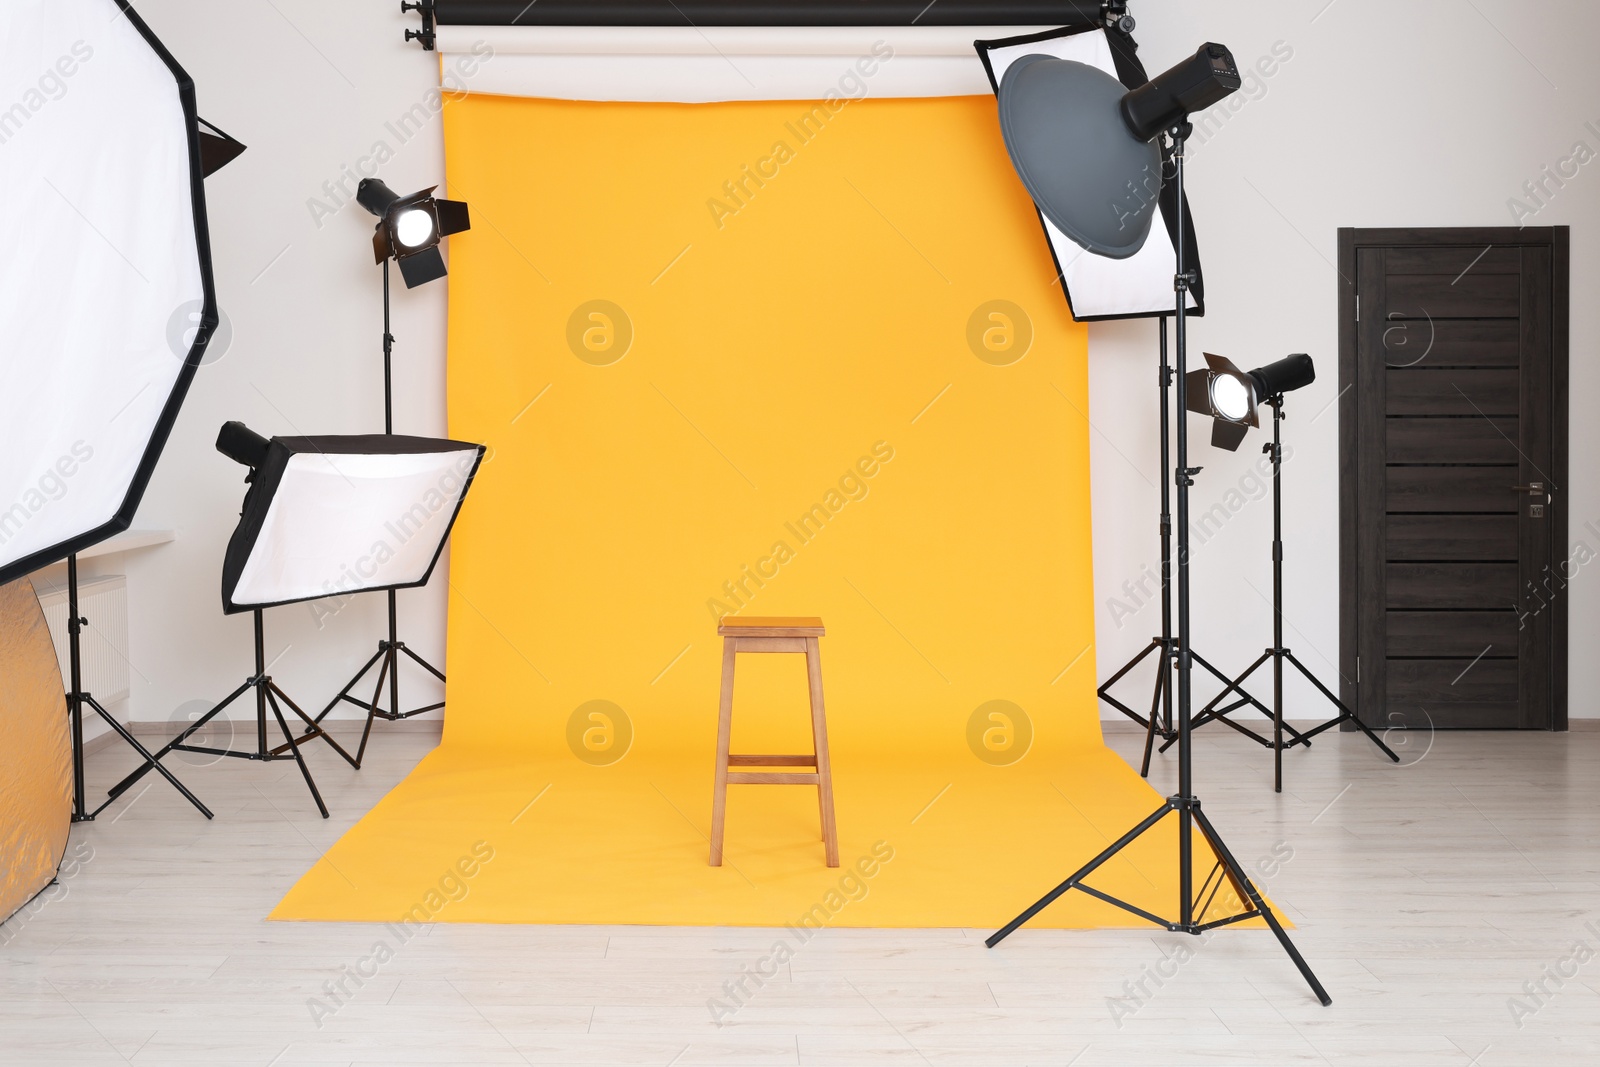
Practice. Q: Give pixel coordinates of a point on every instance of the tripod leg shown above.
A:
(127, 783)
(1344, 712)
(1083, 872)
(1242, 880)
(1150, 729)
(424, 664)
(1154, 644)
(150, 761)
(1224, 720)
(309, 721)
(362, 673)
(372, 713)
(295, 749)
(1233, 685)
(1211, 712)
(1104, 692)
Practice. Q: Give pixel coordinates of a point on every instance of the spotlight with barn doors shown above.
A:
(1080, 144)
(409, 228)
(1232, 396)
(409, 231)
(1231, 392)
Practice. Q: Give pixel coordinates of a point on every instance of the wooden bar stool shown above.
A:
(773, 635)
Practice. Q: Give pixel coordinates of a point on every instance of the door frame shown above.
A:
(1558, 240)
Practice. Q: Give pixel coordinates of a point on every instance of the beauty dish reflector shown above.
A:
(331, 516)
(1100, 287)
(1084, 168)
(106, 296)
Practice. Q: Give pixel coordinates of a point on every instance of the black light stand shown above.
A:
(1277, 653)
(268, 694)
(1192, 906)
(390, 650)
(1162, 699)
(1163, 643)
(77, 698)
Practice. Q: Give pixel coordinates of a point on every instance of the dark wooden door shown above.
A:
(1453, 434)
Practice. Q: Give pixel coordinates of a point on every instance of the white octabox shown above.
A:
(105, 280)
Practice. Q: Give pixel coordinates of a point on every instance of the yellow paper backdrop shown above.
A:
(681, 329)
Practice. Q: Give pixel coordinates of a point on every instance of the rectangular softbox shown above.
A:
(331, 516)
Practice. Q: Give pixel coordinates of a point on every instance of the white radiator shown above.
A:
(104, 602)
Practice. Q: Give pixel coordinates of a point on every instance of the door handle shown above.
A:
(1532, 489)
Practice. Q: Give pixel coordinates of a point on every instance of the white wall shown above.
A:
(1426, 113)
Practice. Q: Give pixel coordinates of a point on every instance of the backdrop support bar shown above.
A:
(1084, 14)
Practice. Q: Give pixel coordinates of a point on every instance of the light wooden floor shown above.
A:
(1426, 896)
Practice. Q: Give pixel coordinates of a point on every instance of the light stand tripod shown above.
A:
(391, 649)
(267, 694)
(1162, 643)
(77, 698)
(1277, 653)
(1192, 906)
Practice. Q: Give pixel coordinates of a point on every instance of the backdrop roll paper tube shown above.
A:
(843, 389)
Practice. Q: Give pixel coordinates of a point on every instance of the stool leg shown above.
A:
(719, 791)
(819, 734)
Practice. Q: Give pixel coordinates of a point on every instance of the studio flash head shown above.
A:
(1170, 97)
(1284, 376)
(242, 445)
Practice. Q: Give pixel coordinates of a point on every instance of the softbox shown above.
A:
(106, 300)
(1098, 287)
(332, 516)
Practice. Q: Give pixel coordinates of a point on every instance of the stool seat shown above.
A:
(773, 634)
(770, 626)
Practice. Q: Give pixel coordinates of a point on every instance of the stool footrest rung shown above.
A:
(771, 778)
(771, 761)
